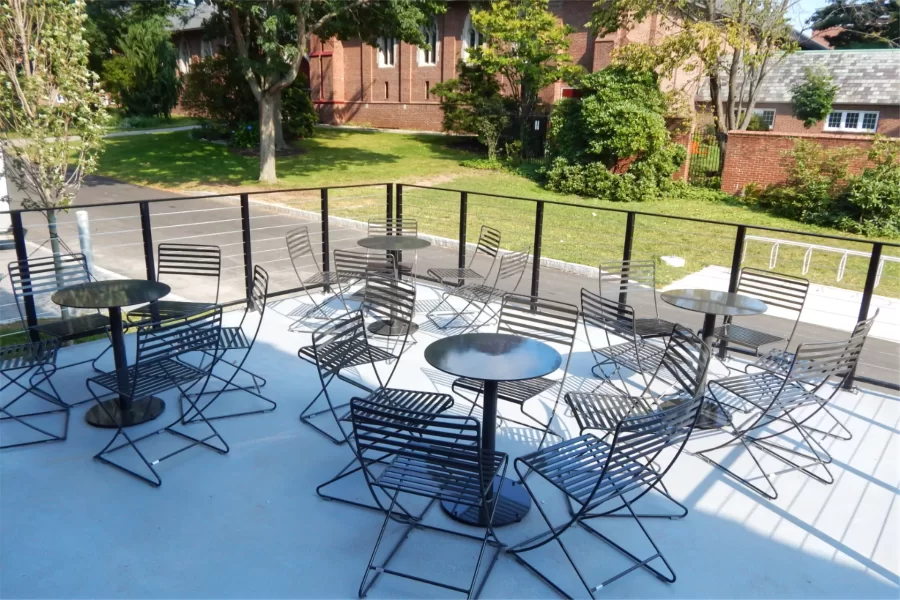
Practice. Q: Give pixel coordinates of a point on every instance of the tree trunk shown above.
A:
(280, 144)
(57, 261)
(267, 138)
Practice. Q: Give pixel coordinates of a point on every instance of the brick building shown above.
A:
(389, 86)
(867, 100)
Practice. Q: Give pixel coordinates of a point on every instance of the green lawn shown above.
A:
(119, 122)
(586, 236)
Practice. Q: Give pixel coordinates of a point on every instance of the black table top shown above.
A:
(393, 242)
(492, 356)
(113, 293)
(715, 302)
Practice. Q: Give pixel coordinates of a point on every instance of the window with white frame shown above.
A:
(471, 37)
(387, 51)
(428, 55)
(206, 49)
(184, 57)
(767, 115)
(852, 120)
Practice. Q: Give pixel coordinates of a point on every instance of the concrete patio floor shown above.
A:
(249, 524)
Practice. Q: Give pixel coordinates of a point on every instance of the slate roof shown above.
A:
(191, 17)
(863, 76)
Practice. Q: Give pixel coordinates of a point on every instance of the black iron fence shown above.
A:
(705, 161)
(251, 230)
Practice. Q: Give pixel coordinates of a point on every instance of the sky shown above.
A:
(801, 10)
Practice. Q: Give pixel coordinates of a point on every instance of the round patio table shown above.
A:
(112, 295)
(713, 303)
(492, 358)
(393, 244)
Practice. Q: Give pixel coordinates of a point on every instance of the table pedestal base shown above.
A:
(140, 411)
(392, 328)
(514, 504)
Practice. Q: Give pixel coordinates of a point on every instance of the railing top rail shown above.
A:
(650, 214)
(203, 197)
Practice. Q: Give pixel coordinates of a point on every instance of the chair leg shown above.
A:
(229, 386)
(32, 389)
(771, 493)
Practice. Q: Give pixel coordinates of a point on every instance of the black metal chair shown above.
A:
(397, 226)
(354, 266)
(337, 346)
(545, 320)
(775, 289)
(342, 344)
(241, 338)
(438, 457)
(157, 370)
(594, 474)
(38, 279)
(630, 278)
(617, 322)
(779, 404)
(488, 245)
(19, 364)
(511, 269)
(299, 250)
(186, 260)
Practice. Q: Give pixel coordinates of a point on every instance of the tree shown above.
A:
(612, 142)
(526, 46)
(731, 44)
(272, 36)
(811, 100)
(51, 116)
(862, 23)
(472, 103)
(150, 58)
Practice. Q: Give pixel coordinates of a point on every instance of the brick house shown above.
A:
(867, 101)
(188, 36)
(389, 85)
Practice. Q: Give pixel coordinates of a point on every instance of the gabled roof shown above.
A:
(862, 76)
(190, 17)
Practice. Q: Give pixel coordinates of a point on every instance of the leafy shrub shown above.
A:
(298, 116)
(612, 141)
(150, 57)
(757, 123)
(116, 77)
(485, 164)
(216, 90)
(211, 131)
(821, 191)
(245, 135)
(811, 100)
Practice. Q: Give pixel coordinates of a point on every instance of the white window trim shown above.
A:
(184, 58)
(380, 51)
(464, 47)
(859, 128)
(761, 112)
(206, 49)
(436, 48)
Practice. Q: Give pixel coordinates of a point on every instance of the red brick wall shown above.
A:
(758, 156)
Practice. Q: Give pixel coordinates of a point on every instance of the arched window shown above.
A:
(387, 51)
(429, 55)
(471, 38)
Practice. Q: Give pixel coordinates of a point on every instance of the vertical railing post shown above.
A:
(536, 248)
(398, 212)
(463, 218)
(865, 303)
(248, 255)
(389, 202)
(24, 275)
(740, 239)
(626, 256)
(147, 235)
(326, 251)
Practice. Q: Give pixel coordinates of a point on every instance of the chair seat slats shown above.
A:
(651, 327)
(745, 336)
(167, 309)
(604, 411)
(76, 327)
(516, 392)
(457, 274)
(345, 354)
(20, 356)
(420, 476)
(152, 378)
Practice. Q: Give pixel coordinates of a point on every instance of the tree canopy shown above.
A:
(862, 23)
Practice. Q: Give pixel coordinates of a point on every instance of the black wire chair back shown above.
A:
(512, 266)
(816, 364)
(359, 264)
(171, 338)
(686, 361)
(389, 298)
(339, 343)
(775, 289)
(545, 320)
(445, 447)
(194, 260)
(39, 278)
(488, 243)
(638, 442)
(377, 227)
(613, 318)
(299, 247)
(628, 276)
(259, 291)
